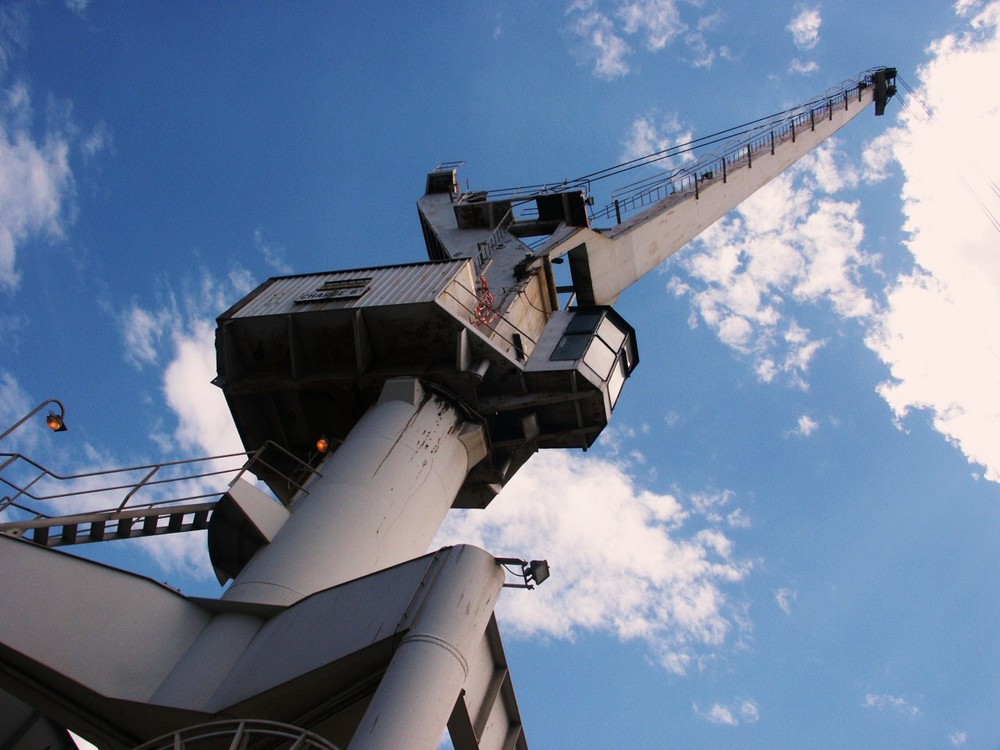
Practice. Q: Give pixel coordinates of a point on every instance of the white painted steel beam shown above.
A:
(607, 262)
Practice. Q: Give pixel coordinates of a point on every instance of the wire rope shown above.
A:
(706, 140)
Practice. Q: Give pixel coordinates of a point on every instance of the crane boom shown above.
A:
(606, 262)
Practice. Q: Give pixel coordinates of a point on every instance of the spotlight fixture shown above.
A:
(536, 571)
(532, 573)
(322, 445)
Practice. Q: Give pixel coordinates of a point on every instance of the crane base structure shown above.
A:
(370, 402)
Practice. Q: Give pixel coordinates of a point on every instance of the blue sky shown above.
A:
(788, 536)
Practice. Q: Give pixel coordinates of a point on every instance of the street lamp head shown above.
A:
(56, 422)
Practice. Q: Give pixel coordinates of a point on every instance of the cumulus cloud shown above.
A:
(805, 426)
(36, 181)
(625, 561)
(805, 26)
(792, 242)
(603, 46)
(605, 28)
(659, 21)
(745, 712)
(931, 332)
(649, 135)
(178, 336)
(799, 241)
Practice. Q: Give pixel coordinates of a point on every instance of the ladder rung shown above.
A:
(124, 528)
(176, 521)
(200, 520)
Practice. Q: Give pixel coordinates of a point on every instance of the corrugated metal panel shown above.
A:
(387, 285)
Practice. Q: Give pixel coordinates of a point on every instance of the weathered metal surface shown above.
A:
(384, 285)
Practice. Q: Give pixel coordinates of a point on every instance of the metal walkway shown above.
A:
(124, 503)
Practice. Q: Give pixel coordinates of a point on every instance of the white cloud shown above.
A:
(792, 242)
(784, 598)
(934, 333)
(648, 135)
(204, 423)
(178, 337)
(184, 555)
(605, 28)
(892, 703)
(957, 739)
(749, 712)
(143, 331)
(717, 714)
(96, 141)
(605, 48)
(658, 20)
(36, 182)
(14, 404)
(626, 562)
(806, 426)
(803, 67)
(273, 256)
(805, 28)
(745, 712)
(13, 33)
(797, 242)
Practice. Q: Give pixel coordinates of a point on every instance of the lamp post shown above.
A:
(55, 422)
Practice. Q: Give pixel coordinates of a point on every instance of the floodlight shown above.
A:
(536, 571)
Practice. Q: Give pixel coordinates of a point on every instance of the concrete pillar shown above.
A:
(378, 501)
(411, 706)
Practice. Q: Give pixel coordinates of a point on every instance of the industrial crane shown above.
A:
(370, 402)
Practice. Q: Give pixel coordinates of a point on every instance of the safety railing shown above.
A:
(485, 249)
(687, 181)
(156, 498)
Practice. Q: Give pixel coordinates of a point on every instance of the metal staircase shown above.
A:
(53, 510)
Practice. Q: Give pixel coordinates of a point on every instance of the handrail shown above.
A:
(685, 181)
(21, 489)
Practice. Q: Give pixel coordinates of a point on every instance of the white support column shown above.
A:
(379, 500)
(411, 706)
